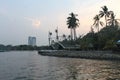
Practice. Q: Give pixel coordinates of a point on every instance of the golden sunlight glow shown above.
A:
(35, 22)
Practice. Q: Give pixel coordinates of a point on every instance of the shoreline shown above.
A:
(101, 55)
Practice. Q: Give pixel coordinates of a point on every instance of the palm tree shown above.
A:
(64, 36)
(49, 37)
(57, 37)
(69, 37)
(97, 22)
(72, 23)
(91, 30)
(112, 21)
(105, 13)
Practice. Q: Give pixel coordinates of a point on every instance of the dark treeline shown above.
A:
(21, 47)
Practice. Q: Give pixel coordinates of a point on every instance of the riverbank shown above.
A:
(105, 55)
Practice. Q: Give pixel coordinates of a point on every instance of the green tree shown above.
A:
(105, 13)
(72, 23)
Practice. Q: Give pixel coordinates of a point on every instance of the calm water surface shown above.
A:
(28, 65)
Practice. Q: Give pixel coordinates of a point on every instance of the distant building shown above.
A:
(32, 41)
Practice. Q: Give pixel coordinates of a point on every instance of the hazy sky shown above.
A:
(22, 18)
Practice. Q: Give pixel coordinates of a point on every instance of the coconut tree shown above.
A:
(97, 22)
(64, 36)
(57, 37)
(49, 37)
(72, 23)
(69, 37)
(112, 21)
(105, 13)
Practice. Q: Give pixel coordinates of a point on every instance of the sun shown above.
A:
(36, 23)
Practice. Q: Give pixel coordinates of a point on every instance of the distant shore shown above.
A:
(105, 55)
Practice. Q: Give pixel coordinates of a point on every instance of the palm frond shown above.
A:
(101, 14)
(101, 23)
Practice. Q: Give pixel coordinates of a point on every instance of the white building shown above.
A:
(32, 41)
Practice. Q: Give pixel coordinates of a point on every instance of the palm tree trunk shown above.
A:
(98, 39)
(113, 23)
(98, 28)
(71, 33)
(49, 41)
(106, 20)
(74, 34)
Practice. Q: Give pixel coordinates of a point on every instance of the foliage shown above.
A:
(72, 23)
(22, 47)
(108, 37)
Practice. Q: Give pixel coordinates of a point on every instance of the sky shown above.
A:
(20, 19)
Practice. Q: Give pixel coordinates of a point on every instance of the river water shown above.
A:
(28, 65)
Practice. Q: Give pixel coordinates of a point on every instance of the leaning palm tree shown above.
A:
(97, 22)
(112, 21)
(72, 23)
(105, 13)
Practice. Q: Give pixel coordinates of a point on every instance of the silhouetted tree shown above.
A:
(69, 37)
(72, 23)
(49, 37)
(97, 22)
(112, 21)
(105, 13)
(64, 36)
(57, 38)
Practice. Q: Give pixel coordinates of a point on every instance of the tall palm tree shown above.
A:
(72, 23)
(49, 37)
(105, 13)
(57, 37)
(97, 22)
(112, 21)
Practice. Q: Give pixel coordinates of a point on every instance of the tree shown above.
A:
(72, 23)
(105, 13)
(69, 37)
(57, 37)
(49, 37)
(64, 37)
(97, 22)
(112, 21)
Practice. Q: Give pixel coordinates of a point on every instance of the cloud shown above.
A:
(35, 22)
